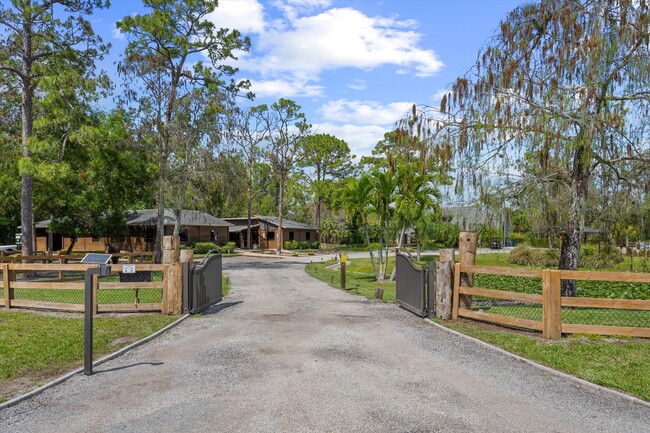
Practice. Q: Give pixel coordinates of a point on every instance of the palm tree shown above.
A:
(382, 197)
(355, 201)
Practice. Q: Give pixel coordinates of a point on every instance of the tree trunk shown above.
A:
(372, 256)
(249, 191)
(160, 201)
(570, 251)
(278, 248)
(399, 247)
(27, 185)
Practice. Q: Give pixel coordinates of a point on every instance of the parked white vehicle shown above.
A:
(8, 248)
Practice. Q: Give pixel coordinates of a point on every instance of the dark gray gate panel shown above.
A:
(410, 286)
(206, 284)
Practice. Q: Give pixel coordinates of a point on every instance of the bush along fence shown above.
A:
(607, 303)
(60, 286)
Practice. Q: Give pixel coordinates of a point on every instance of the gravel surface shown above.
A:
(286, 353)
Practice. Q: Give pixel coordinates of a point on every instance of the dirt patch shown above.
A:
(22, 385)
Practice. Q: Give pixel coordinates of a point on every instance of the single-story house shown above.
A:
(264, 231)
(195, 227)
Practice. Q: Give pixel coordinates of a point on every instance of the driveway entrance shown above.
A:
(287, 353)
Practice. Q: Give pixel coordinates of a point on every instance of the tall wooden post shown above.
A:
(6, 285)
(173, 278)
(444, 283)
(551, 304)
(344, 259)
(467, 244)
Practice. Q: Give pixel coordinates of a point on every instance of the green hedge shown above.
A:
(205, 247)
(300, 245)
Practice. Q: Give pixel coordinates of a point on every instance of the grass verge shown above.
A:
(35, 347)
(357, 282)
(622, 364)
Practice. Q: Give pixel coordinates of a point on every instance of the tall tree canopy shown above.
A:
(41, 41)
(565, 81)
(163, 47)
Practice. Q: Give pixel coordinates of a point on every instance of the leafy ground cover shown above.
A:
(36, 346)
(622, 364)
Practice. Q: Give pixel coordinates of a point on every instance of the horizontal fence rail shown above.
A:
(60, 287)
(531, 299)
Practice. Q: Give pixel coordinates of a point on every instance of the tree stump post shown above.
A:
(173, 276)
(444, 284)
(467, 244)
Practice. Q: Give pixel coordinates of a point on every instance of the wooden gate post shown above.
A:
(6, 285)
(467, 244)
(173, 276)
(551, 304)
(444, 283)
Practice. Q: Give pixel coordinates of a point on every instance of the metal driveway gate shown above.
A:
(414, 285)
(202, 284)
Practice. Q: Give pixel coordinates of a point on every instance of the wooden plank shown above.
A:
(139, 267)
(625, 277)
(623, 304)
(500, 319)
(109, 308)
(456, 294)
(47, 305)
(130, 286)
(49, 268)
(5, 286)
(513, 272)
(551, 306)
(53, 285)
(502, 294)
(606, 330)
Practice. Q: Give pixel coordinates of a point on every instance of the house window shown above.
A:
(184, 236)
(214, 236)
(270, 236)
(148, 234)
(291, 236)
(95, 238)
(307, 236)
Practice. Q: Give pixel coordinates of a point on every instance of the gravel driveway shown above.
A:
(286, 353)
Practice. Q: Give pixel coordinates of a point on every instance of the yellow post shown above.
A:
(344, 259)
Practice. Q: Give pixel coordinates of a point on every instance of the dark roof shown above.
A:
(287, 224)
(148, 217)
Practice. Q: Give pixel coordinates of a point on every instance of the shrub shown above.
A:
(602, 257)
(204, 247)
(229, 248)
(525, 255)
(290, 245)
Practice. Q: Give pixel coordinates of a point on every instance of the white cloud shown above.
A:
(357, 84)
(284, 88)
(361, 139)
(365, 112)
(247, 16)
(117, 34)
(339, 38)
(439, 94)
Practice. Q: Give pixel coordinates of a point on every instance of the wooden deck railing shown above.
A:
(550, 300)
(50, 287)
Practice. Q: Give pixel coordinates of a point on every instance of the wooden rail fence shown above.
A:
(9, 284)
(550, 300)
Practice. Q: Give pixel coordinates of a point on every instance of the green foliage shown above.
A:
(602, 257)
(525, 255)
(204, 247)
(301, 245)
(228, 248)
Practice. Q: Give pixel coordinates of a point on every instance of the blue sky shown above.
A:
(355, 66)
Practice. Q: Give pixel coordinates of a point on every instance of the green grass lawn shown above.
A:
(357, 282)
(623, 364)
(35, 347)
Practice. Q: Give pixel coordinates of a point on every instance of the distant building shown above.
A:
(195, 227)
(264, 231)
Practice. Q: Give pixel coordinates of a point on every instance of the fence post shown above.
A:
(454, 311)
(6, 277)
(61, 262)
(551, 304)
(467, 244)
(444, 284)
(173, 284)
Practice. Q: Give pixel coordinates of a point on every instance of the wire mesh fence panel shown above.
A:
(521, 310)
(606, 317)
(612, 290)
(58, 296)
(509, 283)
(129, 296)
